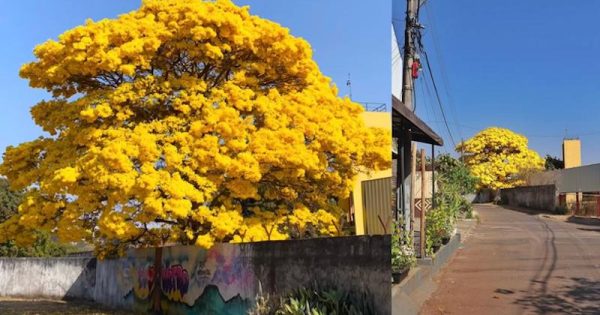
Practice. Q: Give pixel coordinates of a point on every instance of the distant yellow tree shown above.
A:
(499, 158)
(185, 121)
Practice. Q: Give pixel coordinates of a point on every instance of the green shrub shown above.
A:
(403, 253)
(439, 225)
(314, 301)
(455, 173)
(469, 214)
(466, 209)
(454, 180)
(561, 210)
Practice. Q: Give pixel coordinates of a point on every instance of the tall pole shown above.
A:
(433, 177)
(412, 7)
(413, 182)
(349, 85)
(422, 221)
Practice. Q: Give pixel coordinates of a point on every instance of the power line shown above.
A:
(437, 95)
(528, 135)
(440, 60)
(431, 106)
(416, 39)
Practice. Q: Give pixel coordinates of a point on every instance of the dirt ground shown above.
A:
(51, 307)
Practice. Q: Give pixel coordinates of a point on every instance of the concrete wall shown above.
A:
(222, 280)
(359, 264)
(532, 197)
(543, 178)
(65, 277)
(576, 179)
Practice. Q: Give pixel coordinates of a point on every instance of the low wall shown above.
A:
(542, 197)
(360, 264)
(58, 278)
(222, 280)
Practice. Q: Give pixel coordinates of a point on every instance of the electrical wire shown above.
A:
(438, 120)
(437, 95)
(440, 61)
(418, 44)
(528, 135)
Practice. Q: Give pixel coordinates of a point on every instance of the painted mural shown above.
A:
(192, 281)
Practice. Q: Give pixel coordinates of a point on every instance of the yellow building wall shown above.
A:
(572, 152)
(357, 198)
(572, 158)
(372, 119)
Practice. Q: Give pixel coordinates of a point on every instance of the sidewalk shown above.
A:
(419, 284)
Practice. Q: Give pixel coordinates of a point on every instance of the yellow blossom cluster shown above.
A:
(186, 121)
(499, 158)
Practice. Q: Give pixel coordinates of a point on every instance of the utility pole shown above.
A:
(412, 7)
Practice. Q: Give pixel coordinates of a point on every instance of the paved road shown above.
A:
(519, 263)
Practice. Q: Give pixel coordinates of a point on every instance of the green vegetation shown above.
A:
(314, 301)
(403, 253)
(454, 180)
(44, 245)
(439, 227)
(561, 210)
(553, 163)
(9, 200)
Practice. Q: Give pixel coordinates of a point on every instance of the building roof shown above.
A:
(402, 117)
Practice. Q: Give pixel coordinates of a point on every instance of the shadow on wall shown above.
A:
(485, 196)
(53, 278)
(84, 284)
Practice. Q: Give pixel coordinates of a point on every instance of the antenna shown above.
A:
(349, 85)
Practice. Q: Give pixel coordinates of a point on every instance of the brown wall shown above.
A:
(531, 197)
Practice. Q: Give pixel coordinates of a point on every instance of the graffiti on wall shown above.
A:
(191, 280)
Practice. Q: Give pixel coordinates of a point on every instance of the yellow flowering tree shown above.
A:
(186, 122)
(499, 157)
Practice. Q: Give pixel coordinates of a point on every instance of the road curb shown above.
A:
(409, 295)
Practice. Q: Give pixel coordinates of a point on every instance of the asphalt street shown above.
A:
(521, 263)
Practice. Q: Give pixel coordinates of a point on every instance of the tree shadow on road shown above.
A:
(523, 210)
(590, 230)
(581, 296)
(584, 220)
(576, 295)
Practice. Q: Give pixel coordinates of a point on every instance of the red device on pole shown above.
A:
(416, 66)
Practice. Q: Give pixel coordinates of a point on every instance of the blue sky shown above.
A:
(347, 36)
(530, 66)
